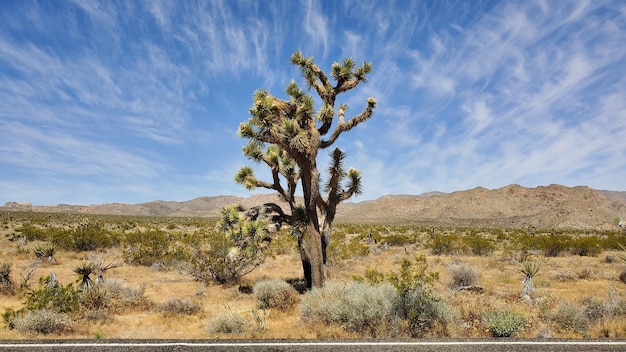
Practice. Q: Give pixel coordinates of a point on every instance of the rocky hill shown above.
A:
(552, 206)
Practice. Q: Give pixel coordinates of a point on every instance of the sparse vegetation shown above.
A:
(569, 317)
(227, 323)
(135, 296)
(235, 248)
(6, 283)
(416, 299)
(365, 309)
(503, 323)
(463, 275)
(179, 306)
(43, 321)
(275, 293)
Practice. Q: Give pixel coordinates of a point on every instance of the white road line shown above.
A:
(304, 344)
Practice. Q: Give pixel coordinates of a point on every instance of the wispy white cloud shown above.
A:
(469, 94)
(315, 25)
(53, 152)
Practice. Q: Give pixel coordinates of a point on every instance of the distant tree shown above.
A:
(287, 135)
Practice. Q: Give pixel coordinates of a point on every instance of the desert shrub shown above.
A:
(94, 298)
(51, 295)
(462, 275)
(339, 251)
(228, 323)
(423, 311)
(503, 323)
(553, 245)
(122, 297)
(444, 244)
(275, 293)
(7, 286)
(478, 244)
(236, 248)
(282, 243)
(569, 317)
(43, 321)
(595, 309)
(373, 276)
(416, 300)
(357, 307)
(145, 248)
(87, 236)
(45, 308)
(589, 246)
(32, 233)
(396, 239)
(177, 306)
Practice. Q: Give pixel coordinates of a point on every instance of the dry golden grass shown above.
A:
(565, 278)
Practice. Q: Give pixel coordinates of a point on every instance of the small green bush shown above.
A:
(50, 295)
(88, 236)
(43, 321)
(553, 245)
(444, 244)
(145, 248)
(228, 323)
(416, 300)
(503, 323)
(589, 246)
(478, 245)
(32, 233)
(275, 293)
(373, 276)
(340, 251)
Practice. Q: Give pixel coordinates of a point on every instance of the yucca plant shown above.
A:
(84, 270)
(101, 268)
(529, 269)
(45, 250)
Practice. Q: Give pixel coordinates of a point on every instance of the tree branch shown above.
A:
(348, 125)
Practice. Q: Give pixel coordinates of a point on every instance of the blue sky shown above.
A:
(134, 101)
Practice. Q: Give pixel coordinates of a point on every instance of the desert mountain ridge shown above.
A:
(553, 206)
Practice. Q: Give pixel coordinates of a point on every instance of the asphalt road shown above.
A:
(308, 346)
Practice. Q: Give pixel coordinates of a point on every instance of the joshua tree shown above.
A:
(235, 247)
(287, 136)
